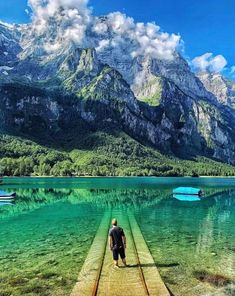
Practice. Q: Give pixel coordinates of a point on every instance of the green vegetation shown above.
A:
(96, 91)
(98, 154)
(155, 99)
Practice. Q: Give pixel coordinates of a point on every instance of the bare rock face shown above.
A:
(9, 44)
(223, 89)
(156, 101)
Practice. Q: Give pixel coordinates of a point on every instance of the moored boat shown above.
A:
(7, 196)
(187, 191)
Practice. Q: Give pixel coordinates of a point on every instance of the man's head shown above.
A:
(114, 222)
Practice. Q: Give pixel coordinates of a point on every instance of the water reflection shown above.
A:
(183, 197)
(31, 199)
(193, 242)
(6, 203)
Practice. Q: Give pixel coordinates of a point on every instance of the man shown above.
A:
(117, 243)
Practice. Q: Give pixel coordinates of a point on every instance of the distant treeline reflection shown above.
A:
(32, 199)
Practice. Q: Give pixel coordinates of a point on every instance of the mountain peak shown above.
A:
(88, 61)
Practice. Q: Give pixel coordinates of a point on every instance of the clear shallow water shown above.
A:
(46, 234)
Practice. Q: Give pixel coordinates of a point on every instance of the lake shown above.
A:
(46, 234)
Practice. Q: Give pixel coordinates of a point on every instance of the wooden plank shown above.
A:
(89, 274)
(124, 280)
(98, 275)
(154, 282)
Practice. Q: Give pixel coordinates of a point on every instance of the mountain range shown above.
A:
(57, 93)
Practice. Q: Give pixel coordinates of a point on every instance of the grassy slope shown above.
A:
(98, 154)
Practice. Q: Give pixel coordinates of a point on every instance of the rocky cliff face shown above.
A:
(158, 102)
(223, 89)
(9, 44)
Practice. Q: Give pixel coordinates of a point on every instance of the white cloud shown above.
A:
(51, 47)
(75, 23)
(102, 45)
(71, 18)
(218, 63)
(48, 8)
(208, 62)
(100, 28)
(138, 39)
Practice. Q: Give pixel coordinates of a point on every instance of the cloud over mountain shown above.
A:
(118, 32)
(208, 62)
(73, 16)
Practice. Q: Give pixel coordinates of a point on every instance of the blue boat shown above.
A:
(187, 191)
(7, 196)
(184, 197)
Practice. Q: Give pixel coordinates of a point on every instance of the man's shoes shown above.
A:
(116, 266)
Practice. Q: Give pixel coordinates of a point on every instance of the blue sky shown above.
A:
(204, 25)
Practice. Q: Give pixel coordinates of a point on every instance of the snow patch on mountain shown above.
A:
(5, 68)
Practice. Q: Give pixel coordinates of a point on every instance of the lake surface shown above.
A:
(46, 234)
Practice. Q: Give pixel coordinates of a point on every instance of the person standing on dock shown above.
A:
(117, 243)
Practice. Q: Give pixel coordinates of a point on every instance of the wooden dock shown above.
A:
(98, 276)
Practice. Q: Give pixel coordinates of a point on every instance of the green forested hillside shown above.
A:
(98, 154)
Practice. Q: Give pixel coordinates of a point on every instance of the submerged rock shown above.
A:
(217, 280)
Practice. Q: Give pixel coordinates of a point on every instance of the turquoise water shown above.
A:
(46, 234)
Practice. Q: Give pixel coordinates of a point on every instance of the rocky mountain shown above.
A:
(159, 102)
(9, 45)
(222, 88)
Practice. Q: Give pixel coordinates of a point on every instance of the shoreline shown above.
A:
(114, 177)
